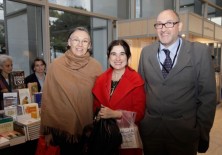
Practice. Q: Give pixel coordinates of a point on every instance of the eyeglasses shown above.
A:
(76, 41)
(167, 25)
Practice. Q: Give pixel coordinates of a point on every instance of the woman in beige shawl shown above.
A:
(67, 98)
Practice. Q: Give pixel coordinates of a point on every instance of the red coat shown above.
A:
(129, 95)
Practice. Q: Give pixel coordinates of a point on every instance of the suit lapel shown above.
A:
(153, 59)
(182, 60)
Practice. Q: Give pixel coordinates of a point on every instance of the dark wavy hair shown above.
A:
(123, 43)
(37, 59)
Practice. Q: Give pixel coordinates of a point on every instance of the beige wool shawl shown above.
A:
(67, 96)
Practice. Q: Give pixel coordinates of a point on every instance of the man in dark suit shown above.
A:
(180, 91)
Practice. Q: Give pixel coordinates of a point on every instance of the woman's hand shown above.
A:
(106, 112)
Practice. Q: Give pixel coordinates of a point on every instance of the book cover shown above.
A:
(14, 137)
(24, 96)
(20, 128)
(32, 109)
(20, 110)
(10, 98)
(4, 142)
(10, 101)
(17, 79)
(38, 98)
(27, 120)
(11, 111)
(6, 123)
(4, 118)
(33, 88)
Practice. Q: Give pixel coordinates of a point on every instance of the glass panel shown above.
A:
(138, 8)
(2, 31)
(100, 40)
(151, 8)
(24, 34)
(81, 4)
(211, 12)
(60, 24)
(106, 7)
(187, 5)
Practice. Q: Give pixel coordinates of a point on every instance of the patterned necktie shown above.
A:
(167, 65)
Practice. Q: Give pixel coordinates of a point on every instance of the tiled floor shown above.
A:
(216, 134)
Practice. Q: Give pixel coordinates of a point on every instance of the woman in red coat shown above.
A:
(120, 89)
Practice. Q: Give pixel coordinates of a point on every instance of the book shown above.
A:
(20, 128)
(14, 137)
(31, 126)
(10, 98)
(4, 118)
(27, 120)
(4, 142)
(10, 101)
(20, 110)
(24, 96)
(38, 98)
(11, 111)
(17, 79)
(32, 109)
(6, 123)
(33, 88)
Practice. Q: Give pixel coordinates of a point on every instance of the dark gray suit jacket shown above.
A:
(184, 103)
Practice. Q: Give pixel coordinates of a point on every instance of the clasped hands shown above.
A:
(106, 112)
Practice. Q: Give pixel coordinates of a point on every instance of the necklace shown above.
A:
(113, 86)
(116, 75)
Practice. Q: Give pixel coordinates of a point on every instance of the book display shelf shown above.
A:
(20, 119)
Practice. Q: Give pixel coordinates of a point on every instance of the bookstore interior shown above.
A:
(20, 117)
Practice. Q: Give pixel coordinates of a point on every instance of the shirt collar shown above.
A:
(172, 48)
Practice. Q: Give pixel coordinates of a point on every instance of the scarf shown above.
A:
(67, 96)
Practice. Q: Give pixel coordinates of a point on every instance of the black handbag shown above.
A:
(103, 137)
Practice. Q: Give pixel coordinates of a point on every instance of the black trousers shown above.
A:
(165, 147)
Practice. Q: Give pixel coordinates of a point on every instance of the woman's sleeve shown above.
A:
(139, 99)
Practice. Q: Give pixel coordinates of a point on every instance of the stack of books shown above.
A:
(33, 131)
(8, 132)
(6, 123)
(31, 126)
(14, 137)
(4, 142)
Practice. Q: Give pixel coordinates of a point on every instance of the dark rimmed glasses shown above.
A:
(167, 25)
